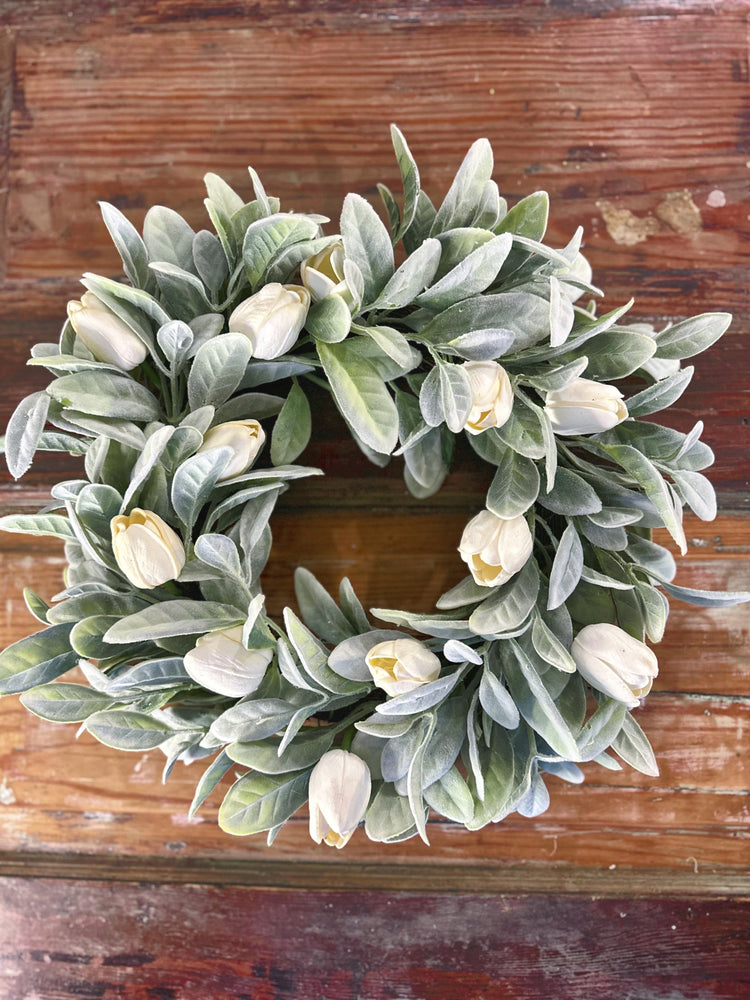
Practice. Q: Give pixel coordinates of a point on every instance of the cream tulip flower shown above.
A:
(244, 437)
(323, 273)
(614, 662)
(272, 318)
(495, 548)
(340, 786)
(147, 550)
(492, 396)
(401, 665)
(585, 407)
(219, 662)
(108, 337)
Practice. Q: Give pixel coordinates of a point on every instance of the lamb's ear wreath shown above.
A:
(183, 391)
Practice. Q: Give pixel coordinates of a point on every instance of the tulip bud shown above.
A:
(244, 437)
(495, 548)
(147, 550)
(491, 396)
(614, 662)
(339, 792)
(108, 337)
(585, 407)
(272, 318)
(401, 665)
(219, 662)
(323, 273)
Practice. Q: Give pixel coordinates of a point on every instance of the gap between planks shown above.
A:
(424, 877)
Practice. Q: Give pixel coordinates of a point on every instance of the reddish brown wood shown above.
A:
(193, 942)
(634, 115)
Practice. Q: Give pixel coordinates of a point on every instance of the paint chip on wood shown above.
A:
(680, 213)
(716, 199)
(624, 227)
(7, 795)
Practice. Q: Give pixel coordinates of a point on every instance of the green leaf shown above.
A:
(182, 292)
(411, 278)
(535, 704)
(103, 394)
(209, 780)
(361, 395)
(37, 659)
(633, 746)
(63, 702)
(125, 730)
(258, 802)
(697, 492)
(130, 246)
(292, 429)
(601, 729)
(450, 796)
(549, 647)
(319, 610)
(267, 237)
(485, 315)
(24, 432)
(497, 702)
(692, 336)
(410, 179)
(194, 482)
(571, 495)
(422, 698)
(508, 606)
(465, 193)
(470, 276)
(522, 432)
(264, 756)
(170, 618)
(389, 818)
(217, 369)
(615, 354)
(446, 395)
(367, 244)
(168, 237)
(661, 395)
(704, 598)
(515, 485)
(566, 568)
(527, 218)
(38, 524)
(314, 657)
(329, 320)
(650, 480)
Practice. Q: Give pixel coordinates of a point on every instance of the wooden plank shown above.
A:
(233, 943)
(407, 559)
(550, 126)
(64, 795)
(717, 395)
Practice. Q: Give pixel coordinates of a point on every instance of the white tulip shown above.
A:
(219, 662)
(585, 407)
(244, 437)
(147, 550)
(323, 273)
(491, 396)
(272, 318)
(495, 548)
(614, 662)
(108, 337)
(401, 665)
(339, 792)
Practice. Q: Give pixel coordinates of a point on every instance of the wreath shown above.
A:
(449, 320)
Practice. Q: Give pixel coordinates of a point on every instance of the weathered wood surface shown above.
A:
(62, 794)
(192, 942)
(634, 115)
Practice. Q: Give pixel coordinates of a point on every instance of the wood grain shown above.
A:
(634, 115)
(194, 942)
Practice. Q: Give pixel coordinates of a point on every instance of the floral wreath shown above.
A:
(530, 666)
